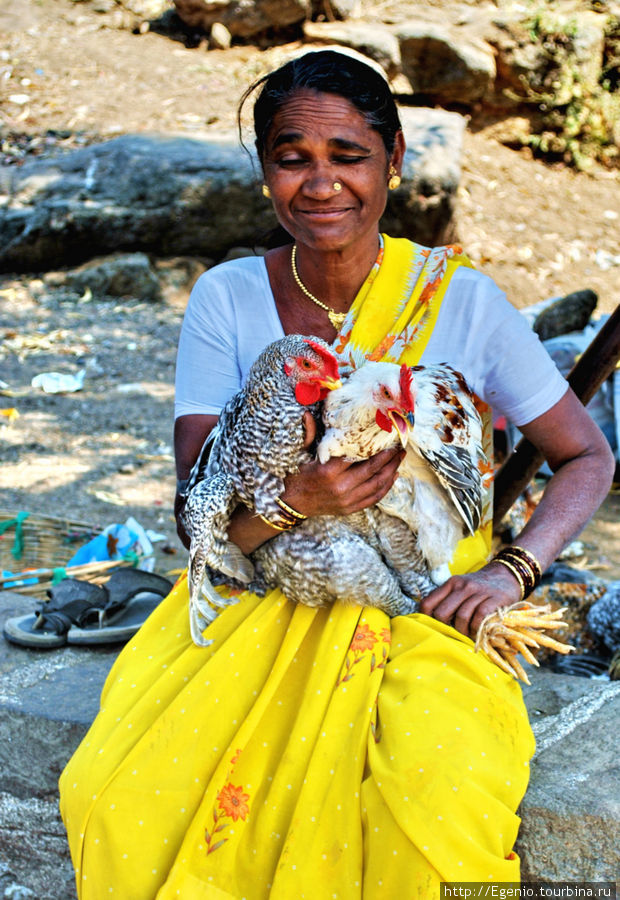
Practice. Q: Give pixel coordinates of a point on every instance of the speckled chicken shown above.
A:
(438, 491)
(368, 558)
(259, 439)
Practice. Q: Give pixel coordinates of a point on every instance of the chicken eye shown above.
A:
(385, 392)
(306, 363)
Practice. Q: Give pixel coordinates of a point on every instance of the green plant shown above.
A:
(576, 121)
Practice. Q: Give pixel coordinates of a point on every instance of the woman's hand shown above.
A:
(463, 601)
(339, 486)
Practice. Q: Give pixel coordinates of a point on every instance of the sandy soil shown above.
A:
(105, 453)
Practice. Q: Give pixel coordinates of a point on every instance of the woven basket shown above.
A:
(37, 547)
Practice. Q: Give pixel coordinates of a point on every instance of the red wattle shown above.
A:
(307, 394)
(382, 421)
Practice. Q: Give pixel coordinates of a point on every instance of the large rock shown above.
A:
(445, 63)
(243, 18)
(374, 41)
(134, 15)
(422, 206)
(571, 811)
(546, 57)
(121, 275)
(170, 196)
(47, 701)
(178, 196)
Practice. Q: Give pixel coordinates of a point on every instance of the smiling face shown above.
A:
(316, 140)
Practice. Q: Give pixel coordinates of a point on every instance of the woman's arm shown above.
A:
(583, 466)
(190, 433)
(337, 487)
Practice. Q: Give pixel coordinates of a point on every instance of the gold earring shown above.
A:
(394, 179)
(337, 186)
(266, 191)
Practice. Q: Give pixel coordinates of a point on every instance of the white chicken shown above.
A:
(438, 492)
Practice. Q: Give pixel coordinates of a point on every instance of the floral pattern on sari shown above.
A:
(364, 641)
(231, 803)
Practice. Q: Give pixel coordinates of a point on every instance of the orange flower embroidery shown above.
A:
(233, 802)
(382, 348)
(385, 635)
(363, 639)
(480, 405)
(486, 470)
(429, 290)
(342, 341)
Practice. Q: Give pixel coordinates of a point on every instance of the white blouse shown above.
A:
(231, 316)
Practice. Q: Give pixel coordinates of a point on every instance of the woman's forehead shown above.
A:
(310, 114)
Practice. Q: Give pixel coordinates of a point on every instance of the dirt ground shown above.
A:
(105, 452)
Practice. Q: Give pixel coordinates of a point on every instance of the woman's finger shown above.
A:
(457, 590)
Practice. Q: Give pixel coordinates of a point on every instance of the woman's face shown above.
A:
(316, 140)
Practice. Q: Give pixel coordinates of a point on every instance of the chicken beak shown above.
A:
(330, 383)
(403, 424)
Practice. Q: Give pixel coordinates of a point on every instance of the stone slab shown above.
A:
(571, 812)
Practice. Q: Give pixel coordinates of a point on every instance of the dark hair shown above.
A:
(327, 72)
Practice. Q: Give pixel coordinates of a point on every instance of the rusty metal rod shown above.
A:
(594, 366)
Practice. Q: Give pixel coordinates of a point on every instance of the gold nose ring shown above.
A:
(337, 186)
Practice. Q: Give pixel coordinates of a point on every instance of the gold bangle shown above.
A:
(504, 562)
(522, 566)
(530, 558)
(522, 563)
(289, 509)
(273, 524)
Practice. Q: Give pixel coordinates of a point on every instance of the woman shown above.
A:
(331, 752)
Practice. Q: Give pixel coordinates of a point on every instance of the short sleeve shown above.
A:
(521, 381)
(207, 372)
(482, 335)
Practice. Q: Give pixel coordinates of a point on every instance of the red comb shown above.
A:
(330, 360)
(406, 380)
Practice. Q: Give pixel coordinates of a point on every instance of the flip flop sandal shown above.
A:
(71, 602)
(133, 594)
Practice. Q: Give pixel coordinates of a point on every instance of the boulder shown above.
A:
(422, 207)
(121, 275)
(571, 811)
(180, 196)
(243, 18)
(47, 701)
(445, 63)
(133, 15)
(374, 41)
(336, 9)
(168, 196)
(548, 56)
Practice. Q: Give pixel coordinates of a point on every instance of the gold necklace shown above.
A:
(336, 318)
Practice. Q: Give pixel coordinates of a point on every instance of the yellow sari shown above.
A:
(307, 753)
